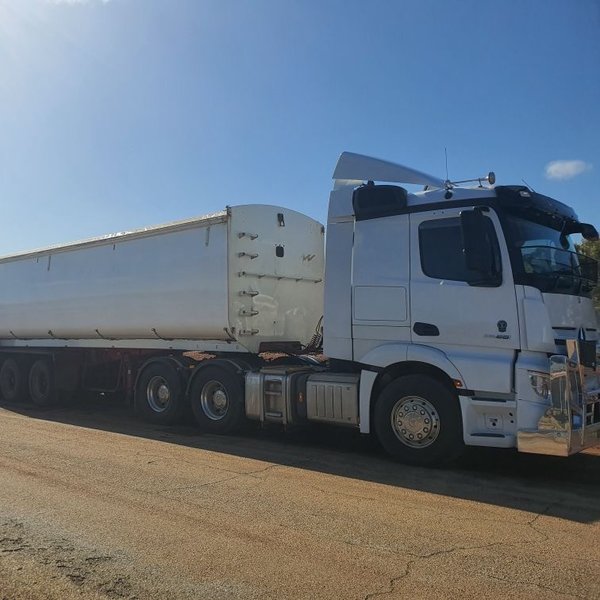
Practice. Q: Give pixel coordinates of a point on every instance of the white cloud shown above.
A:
(566, 169)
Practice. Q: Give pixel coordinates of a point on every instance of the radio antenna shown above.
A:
(446, 153)
(527, 185)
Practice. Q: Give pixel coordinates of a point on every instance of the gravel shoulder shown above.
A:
(95, 504)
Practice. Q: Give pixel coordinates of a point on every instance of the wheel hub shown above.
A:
(220, 399)
(415, 422)
(163, 393)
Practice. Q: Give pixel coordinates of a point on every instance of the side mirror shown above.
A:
(589, 232)
(480, 248)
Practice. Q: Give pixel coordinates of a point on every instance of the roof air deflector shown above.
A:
(351, 166)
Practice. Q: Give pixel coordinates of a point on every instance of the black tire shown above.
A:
(13, 380)
(159, 393)
(217, 400)
(418, 421)
(42, 387)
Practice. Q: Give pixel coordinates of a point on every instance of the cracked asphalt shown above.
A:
(95, 504)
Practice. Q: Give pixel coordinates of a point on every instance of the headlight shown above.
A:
(540, 382)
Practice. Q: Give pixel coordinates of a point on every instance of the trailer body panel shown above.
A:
(242, 277)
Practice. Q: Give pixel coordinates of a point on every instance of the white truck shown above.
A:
(451, 317)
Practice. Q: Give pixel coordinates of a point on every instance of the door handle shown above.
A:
(425, 329)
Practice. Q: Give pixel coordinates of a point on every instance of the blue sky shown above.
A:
(124, 113)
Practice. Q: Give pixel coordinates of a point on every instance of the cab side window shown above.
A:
(442, 250)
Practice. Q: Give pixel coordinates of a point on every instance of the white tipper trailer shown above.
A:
(450, 317)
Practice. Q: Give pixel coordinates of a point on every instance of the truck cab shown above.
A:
(473, 294)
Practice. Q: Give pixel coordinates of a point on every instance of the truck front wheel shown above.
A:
(417, 420)
(217, 399)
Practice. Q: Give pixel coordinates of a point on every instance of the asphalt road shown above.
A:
(96, 505)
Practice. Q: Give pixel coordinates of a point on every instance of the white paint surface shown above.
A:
(178, 281)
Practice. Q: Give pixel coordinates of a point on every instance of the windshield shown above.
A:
(546, 259)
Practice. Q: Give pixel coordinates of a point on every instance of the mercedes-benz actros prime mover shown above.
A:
(455, 316)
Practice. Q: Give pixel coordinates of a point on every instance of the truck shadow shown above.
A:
(559, 487)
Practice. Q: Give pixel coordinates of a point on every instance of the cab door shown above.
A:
(474, 324)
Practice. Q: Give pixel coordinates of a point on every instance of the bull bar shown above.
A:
(572, 421)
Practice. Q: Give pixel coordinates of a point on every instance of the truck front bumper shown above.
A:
(572, 421)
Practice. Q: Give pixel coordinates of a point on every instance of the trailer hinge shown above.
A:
(245, 312)
(231, 334)
(252, 236)
(248, 331)
(160, 337)
(250, 255)
(248, 293)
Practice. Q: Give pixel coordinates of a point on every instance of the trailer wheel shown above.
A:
(13, 384)
(159, 393)
(42, 389)
(417, 420)
(217, 400)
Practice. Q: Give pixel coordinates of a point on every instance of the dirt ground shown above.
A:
(95, 504)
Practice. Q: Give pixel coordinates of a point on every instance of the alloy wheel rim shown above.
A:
(415, 422)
